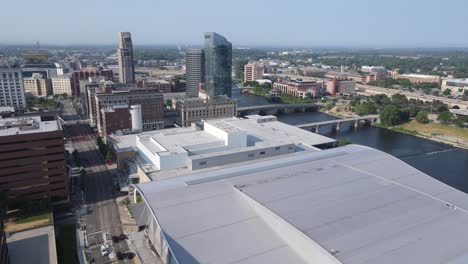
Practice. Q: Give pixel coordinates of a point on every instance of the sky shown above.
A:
(246, 23)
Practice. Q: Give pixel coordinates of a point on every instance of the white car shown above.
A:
(104, 250)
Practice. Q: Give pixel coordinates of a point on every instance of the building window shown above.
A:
(262, 153)
(251, 155)
(202, 163)
(277, 148)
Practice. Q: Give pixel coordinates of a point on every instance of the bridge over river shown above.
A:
(337, 123)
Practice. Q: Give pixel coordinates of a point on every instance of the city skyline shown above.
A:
(361, 23)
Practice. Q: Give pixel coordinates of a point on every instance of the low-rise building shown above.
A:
(298, 87)
(115, 118)
(194, 109)
(350, 205)
(37, 245)
(168, 153)
(372, 69)
(162, 86)
(63, 84)
(340, 87)
(150, 100)
(37, 85)
(32, 159)
(456, 86)
(417, 78)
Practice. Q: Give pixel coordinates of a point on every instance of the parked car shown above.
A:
(104, 250)
(129, 255)
(120, 255)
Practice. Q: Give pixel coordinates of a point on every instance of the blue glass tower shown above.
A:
(218, 65)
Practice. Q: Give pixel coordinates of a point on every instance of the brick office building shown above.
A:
(32, 159)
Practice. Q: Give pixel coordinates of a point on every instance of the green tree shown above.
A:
(366, 108)
(399, 99)
(239, 68)
(442, 108)
(389, 115)
(413, 111)
(445, 117)
(381, 99)
(422, 118)
(446, 92)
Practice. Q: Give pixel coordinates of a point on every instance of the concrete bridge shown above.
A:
(337, 123)
(274, 109)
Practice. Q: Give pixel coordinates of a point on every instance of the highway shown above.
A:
(369, 90)
(99, 194)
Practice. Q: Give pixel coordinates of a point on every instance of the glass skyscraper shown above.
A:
(218, 65)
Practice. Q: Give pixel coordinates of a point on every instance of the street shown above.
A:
(102, 220)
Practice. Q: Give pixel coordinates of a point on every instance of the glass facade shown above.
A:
(218, 65)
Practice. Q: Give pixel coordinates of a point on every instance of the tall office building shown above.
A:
(12, 89)
(218, 65)
(32, 159)
(195, 68)
(125, 56)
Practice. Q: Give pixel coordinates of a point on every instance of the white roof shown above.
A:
(26, 125)
(363, 205)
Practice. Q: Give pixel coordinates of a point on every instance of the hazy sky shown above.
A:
(368, 23)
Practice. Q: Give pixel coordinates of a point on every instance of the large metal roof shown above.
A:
(351, 205)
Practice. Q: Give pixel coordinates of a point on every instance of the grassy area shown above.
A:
(66, 245)
(434, 129)
(25, 222)
(262, 91)
(32, 218)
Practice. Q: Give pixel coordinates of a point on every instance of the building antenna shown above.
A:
(37, 45)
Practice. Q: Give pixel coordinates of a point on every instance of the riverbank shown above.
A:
(451, 135)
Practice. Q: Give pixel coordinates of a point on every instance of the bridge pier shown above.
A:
(356, 124)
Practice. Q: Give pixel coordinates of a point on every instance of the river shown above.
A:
(443, 162)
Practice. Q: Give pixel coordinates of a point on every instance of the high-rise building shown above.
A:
(195, 68)
(37, 85)
(253, 71)
(218, 65)
(12, 89)
(32, 159)
(125, 56)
